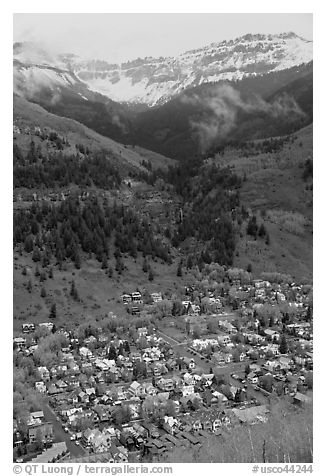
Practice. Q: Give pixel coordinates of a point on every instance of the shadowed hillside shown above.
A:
(27, 115)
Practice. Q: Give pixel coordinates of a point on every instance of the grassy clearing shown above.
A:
(98, 293)
(287, 253)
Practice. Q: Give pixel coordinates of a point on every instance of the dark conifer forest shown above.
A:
(72, 229)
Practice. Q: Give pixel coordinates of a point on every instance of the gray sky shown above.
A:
(118, 37)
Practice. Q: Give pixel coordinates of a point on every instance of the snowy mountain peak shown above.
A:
(154, 81)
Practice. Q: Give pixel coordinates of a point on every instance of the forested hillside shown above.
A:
(66, 230)
(217, 198)
(59, 170)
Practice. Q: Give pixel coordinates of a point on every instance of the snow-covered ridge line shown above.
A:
(156, 80)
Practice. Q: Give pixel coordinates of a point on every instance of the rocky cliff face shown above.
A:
(154, 81)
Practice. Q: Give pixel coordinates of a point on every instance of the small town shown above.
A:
(185, 370)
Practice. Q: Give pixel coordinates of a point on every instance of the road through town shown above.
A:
(60, 434)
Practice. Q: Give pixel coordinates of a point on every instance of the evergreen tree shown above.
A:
(53, 311)
(43, 292)
(150, 275)
(239, 397)
(179, 270)
(73, 291)
(29, 286)
(104, 262)
(24, 271)
(200, 263)
(51, 273)
(262, 231)
(29, 243)
(252, 228)
(286, 318)
(168, 233)
(45, 260)
(112, 353)
(36, 256)
(206, 256)
(126, 346)
(77, 259)
(121, 349)
(145, 266)
(283, 345)
(177, 308)
(39, 445)
(119, 267)
(196, 332)
(110, 272)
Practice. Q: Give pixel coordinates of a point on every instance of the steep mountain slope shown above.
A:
(28, 116)
(154, 81)
(210, 115)
(44, 79)
(278, 190)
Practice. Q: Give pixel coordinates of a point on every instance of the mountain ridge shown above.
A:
(192, 121)
(154, 81)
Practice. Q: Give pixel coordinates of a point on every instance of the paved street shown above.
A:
(60, 434)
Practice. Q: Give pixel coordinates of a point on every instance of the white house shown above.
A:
(274, 335)
(85, 352)
(187, 390)
(252, 378)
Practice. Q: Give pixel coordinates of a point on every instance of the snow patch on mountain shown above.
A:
(80, 94)
(31, 79)
(154, 81)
